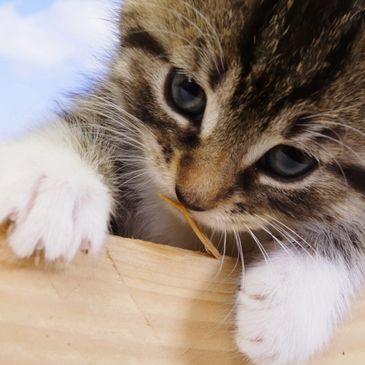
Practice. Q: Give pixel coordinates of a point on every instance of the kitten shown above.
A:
(251, 113)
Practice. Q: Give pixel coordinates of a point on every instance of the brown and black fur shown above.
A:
(289, 72)
(284, 72)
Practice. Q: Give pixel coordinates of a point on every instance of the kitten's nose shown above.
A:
(188, 204)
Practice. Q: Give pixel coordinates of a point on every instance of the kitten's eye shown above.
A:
(185, 95)
(286, 162)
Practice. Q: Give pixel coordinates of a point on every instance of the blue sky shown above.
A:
(47, 47)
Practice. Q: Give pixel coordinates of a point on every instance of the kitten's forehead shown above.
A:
(283, 50)
(261, 58)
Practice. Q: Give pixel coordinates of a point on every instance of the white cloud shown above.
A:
(67, 31)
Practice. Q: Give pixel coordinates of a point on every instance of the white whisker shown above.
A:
(279, 242)
(284, 230)
(259, 245)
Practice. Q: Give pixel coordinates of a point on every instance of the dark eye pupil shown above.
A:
(189, 89)
(186, 96)
(287, 162)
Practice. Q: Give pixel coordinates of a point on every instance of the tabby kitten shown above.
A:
(252, 114)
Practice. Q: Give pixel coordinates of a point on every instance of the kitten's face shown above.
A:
(256, 111)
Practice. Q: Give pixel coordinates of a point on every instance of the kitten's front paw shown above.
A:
(56, 203)
(262, 332)
(287, 310)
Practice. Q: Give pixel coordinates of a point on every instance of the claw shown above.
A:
(10, 229)
(85, 246)
(37, 257)
(39, 246)
(38, 251)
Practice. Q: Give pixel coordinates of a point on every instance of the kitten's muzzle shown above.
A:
(203, 179)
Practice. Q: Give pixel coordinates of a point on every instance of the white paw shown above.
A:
(56, 203)
(287, 311)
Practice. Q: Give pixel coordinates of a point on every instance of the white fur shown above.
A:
(288, 309)
(56, 201)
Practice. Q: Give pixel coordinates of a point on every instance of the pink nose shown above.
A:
(187, 202)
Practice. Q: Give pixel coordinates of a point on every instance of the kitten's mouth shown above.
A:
(201, 216)
(210, 247)
(234, 237)
(216, 219)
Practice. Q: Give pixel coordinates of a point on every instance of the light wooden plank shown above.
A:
(136, 303)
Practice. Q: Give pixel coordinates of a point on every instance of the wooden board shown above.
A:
(136, 303)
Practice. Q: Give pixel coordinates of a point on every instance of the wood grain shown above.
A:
(136, 303)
